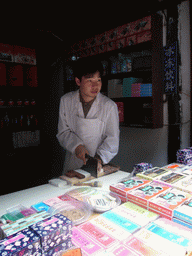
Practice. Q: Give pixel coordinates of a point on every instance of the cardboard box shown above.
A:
(119, 220)
(18, 225)
(153, 173)
(6, 52)
(185, 184)
(144, 37)
(93, 232)
(167, 202)
(131, 40)
(141, 25)
(170, 178)
(171, 231)
(123, 30)
(158, 243)
(184, 211)
(122, 188)
(24, 55)
(174, 166)
(100, 39)
(110, 227)
(143, 194)
(142, 248)
(87, 245)
(53, 231)
(111, 46)
(23, 243)
(136, 213)
(40, 207)
(181, 222)
(55, 251)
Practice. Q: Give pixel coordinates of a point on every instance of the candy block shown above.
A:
(174, 166)
(110, 227)
(93, 232)
(136, 213)
(159, 243)
(185, 184)
(18, 225)
(23, 243)
(171, 231)
(53, 201)
(170, 178)
(167, 202)
(40, 207)
(181, 222)
(28, 212)
(141, 167)
(121, 221)
(142, 248)
(153, 173)
(53, 231)
(55, 251)
(184, 211)
(144, 193)
(127, 185)
(87, 245)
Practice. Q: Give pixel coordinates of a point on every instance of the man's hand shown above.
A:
(80, 152)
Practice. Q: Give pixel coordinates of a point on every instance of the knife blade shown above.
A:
(91, 165)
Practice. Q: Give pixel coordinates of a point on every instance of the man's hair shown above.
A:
(87, 66)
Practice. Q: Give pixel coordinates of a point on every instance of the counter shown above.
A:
(37, 194)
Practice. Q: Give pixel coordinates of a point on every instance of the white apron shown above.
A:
(90, 132)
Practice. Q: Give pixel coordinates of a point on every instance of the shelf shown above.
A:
(145, 59)
(139, 73)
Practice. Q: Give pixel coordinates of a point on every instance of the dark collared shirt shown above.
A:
(86, 105)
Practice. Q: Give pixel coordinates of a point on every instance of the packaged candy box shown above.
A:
(122, 188)
(53, 231)
(22, 243)
(56, 251)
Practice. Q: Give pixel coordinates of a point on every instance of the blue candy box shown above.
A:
(53, 231)
(23, 243)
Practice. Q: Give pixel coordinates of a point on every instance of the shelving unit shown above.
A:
(134, 50)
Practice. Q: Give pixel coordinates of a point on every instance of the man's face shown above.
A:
(89, 86)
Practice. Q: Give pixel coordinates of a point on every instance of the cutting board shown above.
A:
(106, 169)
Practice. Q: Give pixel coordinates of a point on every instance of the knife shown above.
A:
(91, 165)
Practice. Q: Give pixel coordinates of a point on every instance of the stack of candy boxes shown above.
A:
(45, 238)
(166, 191)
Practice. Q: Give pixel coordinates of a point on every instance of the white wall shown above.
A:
(147, 145)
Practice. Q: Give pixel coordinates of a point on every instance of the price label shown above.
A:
(73, 252)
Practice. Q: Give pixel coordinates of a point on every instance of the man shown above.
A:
(88, 120)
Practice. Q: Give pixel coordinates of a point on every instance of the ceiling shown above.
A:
(68, 22)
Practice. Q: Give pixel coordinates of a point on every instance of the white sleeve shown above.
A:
(110, 146)
(66, 137)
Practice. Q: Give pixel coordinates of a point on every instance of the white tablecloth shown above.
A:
(37, 194)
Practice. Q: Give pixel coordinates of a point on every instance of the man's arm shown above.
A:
(66, 137)
(110, 146)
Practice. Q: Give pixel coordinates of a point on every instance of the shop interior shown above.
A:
(52, 38)
(143, 198)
